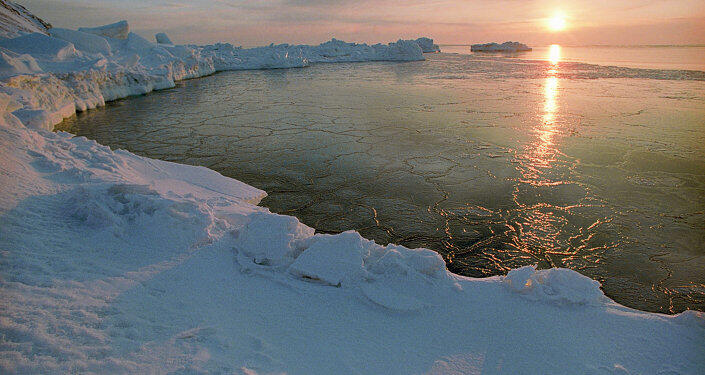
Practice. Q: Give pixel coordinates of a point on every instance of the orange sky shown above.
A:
(251, 23)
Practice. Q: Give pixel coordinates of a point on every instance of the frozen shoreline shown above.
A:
(115, 263)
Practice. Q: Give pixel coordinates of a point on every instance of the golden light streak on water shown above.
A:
(554, 54)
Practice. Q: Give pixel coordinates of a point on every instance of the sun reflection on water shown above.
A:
(543, 226)
(544, 150)
(554, 54)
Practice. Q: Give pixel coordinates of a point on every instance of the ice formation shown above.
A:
(504, 47)
(427, 45)
(115, 263)
(86, 67)
(162, 38)
(117, 30)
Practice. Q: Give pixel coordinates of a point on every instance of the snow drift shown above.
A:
(115, 263)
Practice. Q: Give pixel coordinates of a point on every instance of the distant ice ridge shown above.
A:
(115, 263)
(85, 68)
(504, 47)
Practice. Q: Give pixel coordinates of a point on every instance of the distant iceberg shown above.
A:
(427, 45)
(504, 47)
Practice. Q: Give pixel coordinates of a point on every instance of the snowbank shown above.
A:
(504, 47)
(427, 45)
(115, 263)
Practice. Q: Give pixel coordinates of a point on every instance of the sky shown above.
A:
(252, 23)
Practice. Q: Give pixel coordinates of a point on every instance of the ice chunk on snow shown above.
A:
(504, 47)
(272, 240)
(117, 30)
(162, 38)
(427, 45)
(402, 261)
(555, 284)
(85, 42)
(37, 44)
(334, 259)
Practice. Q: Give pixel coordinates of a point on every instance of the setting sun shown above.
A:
(557, 22)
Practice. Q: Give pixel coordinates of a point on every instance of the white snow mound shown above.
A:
(117, 30)
(556, 285)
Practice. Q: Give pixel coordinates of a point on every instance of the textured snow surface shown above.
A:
(504, 47)
(115, 263)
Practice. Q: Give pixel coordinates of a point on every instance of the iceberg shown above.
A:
(116, 263)
(504, 47)
(427, 45)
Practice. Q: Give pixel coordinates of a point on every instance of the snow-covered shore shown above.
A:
(55, 72)
(115, 263)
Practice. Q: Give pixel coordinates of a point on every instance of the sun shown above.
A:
(557, 22)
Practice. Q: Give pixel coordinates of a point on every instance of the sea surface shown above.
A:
(556, 158)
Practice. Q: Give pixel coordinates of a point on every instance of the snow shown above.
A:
(117, 30)
(40, 45)
(504, 47)
(86, 42)
(427, 45)
(115, 263)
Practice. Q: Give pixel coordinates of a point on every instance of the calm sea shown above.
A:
(688, 57)
(563, 157)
